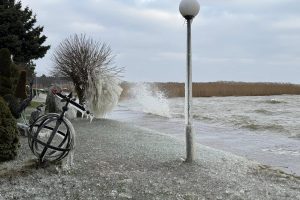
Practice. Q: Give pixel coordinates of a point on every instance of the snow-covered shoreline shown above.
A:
(115, 160)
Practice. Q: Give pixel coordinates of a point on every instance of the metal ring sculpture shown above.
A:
(52, 136)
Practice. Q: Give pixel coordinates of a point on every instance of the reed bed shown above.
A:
(220, 89)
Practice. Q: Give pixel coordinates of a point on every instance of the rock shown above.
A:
(113, 193)
(127, 181)
(125, 195)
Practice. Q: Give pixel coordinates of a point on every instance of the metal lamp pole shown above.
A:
(189, 9)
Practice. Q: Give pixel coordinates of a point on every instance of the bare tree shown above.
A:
(79, 56)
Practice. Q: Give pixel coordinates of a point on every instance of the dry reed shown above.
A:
(220, 89)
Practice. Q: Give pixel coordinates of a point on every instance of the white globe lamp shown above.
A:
(189, 8)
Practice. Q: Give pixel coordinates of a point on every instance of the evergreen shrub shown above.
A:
(51, 106)
(13, 105)
(5, 72)
(9, 137)
(21, 86)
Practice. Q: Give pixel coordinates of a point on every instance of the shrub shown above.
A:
(8, 74)
(51, 105)
(9, 138)
(15, 74)
(5, 72)
(13, 105)
(21, 86)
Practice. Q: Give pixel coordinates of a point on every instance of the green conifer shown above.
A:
(21, 86)
(5, 72)
(9, 136)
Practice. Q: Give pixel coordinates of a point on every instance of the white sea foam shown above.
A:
(150, 101)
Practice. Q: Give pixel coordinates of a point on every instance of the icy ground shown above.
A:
(115, 160)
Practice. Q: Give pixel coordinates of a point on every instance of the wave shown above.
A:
(239, 121)
(263, 111)
(204, 118)
(195, 116)
(274, 101)
(149, 101)
(295, 136)
(177, 115)
(283, 151)
(265, 127)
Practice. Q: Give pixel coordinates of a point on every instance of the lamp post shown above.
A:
(189, 9)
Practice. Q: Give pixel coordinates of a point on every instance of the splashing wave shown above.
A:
(150, 101)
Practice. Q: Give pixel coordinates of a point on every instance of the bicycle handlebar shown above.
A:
(71, 101)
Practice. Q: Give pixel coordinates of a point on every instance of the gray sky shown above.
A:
(233, 40)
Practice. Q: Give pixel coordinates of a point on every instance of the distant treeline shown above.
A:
(175, 89)
(221, 89)
(44, 82)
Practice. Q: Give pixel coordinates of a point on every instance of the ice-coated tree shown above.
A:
(90, 66)
(19, 33)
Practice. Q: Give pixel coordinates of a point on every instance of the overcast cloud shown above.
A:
(233, 40)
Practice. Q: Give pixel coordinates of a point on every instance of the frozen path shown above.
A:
(115, 160)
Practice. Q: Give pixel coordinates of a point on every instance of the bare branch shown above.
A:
(78, 56)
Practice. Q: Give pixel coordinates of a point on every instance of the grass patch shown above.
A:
(34, 104)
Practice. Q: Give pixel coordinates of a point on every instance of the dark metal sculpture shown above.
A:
(52, 136)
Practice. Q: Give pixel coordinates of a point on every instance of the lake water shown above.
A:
(265, 129)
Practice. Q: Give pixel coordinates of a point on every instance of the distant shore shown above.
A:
(219, 89)
(200, 89)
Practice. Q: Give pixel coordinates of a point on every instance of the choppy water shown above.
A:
(275, 114)
(266, 129)
(269, 114)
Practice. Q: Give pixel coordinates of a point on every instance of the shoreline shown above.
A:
(115, 160)
(268, 148)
